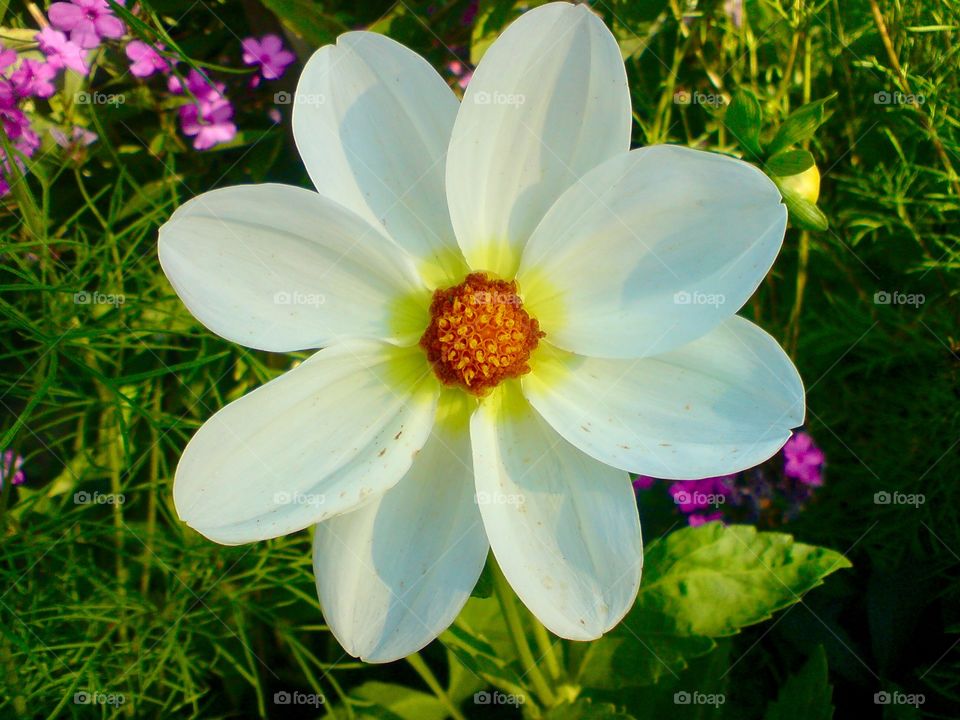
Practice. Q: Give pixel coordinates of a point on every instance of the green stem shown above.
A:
(424, 671)
(546, 646)
(512, 616)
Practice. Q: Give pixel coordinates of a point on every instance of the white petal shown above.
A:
(317, 441)
(650, 251)
(372, 121)
(718, 405)
(395, 573)
(279, 268)
(548, 102)
(563, 527)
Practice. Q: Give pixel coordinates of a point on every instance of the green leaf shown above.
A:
(789, 162)
(623, 660)
(744, 119)
(703, 583)
(586, 709)
(800, 125)
(306, 19)
(806, 695)
(715, 579)
(484, 586)
(400, 701)
(803, 213)
(479, 642)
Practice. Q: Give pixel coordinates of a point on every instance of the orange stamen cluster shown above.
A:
(479, 334)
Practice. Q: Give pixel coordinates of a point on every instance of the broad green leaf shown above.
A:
(803, 213)
(789, 162)
(401, 701)
(306, 19)
(702, 583)
(715, 579)
(800, 125)
(744, 119)
(621, 659)
(806, 695)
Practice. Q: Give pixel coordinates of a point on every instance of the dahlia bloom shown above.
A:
(510, 306)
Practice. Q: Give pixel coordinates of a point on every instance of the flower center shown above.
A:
(479, 334)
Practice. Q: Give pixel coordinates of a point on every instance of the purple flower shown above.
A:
(803, 460)
(209, 119)
(209, 123)
(643, 482)
(61, 52)
(78, 137)
(8, 98)
(692, 495)
(17, 126)
(461, 72)
(269, 53)
(87, 21)
(697, 519)
(470, 13)
(7, 58)
(32, 79)
(198, 85)
(12, 464)
(145, 59)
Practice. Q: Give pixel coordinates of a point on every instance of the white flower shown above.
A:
(618, 340)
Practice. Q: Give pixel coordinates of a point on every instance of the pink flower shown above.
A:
(209, 123)
(691, 495)
(145, 59)
(87, 21)
(11, 465)
(698, 519)
(209, 118)
(201, 87)
(78, 137)
(270, 54)
(7, 58)
(8, 98)
(61, 52)
(461, 72)
(32, 79)
(643, 482)
(803, 460)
